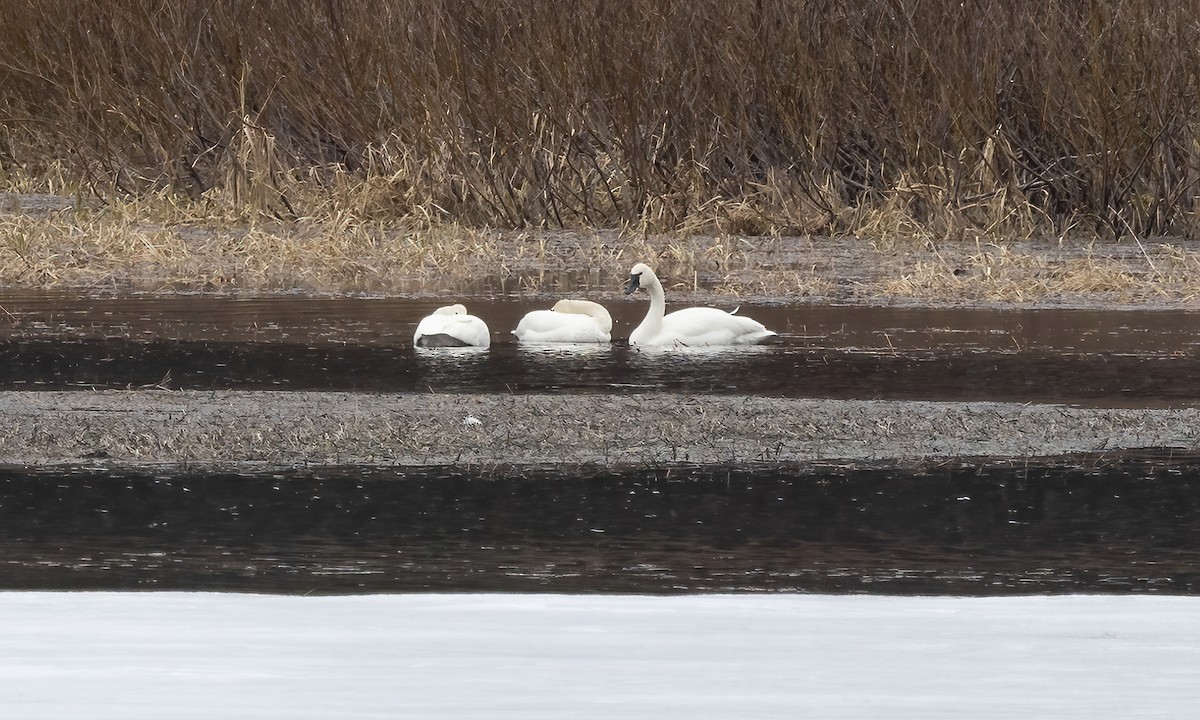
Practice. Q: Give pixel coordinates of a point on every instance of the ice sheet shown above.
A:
(197, 655)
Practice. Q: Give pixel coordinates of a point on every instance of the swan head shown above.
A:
(640, 276)
(593, 310)
(580, 307)
(457, 309)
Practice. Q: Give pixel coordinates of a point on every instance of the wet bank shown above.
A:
(1086, 523)
(238, 429)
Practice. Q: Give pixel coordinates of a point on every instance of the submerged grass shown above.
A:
(930, 119)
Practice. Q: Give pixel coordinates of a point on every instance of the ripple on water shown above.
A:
(1088, 524)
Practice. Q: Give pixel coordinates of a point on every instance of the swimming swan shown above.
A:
(569, 321)
(451, 326)
(696, 326)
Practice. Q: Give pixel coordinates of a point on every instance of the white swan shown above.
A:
(451, 326)
(569, 321)
(694, 327)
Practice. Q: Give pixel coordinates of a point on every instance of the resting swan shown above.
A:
(451, 326)
(569, 321)
(696, 326)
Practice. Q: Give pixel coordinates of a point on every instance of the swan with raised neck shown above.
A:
(692, 327)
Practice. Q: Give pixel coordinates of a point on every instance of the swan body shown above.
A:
(692, 327)
(451, 326)
(569, 321)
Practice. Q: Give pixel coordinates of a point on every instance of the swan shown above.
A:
(451, 326)
(569, 321)
(696, 326)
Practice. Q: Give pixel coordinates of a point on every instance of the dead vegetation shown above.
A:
(933, 120)
(115, 249)
(1024, 273)
(962, 151)
(292, 429)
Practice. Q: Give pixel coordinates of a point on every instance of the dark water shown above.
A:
(1106, 524)
(1091, 358)
(1116, 523)
(1091, 379)
(389, 322)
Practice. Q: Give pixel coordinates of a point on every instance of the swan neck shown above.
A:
(652, 324)
(658, 302)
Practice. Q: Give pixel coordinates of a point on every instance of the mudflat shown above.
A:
(262, 430)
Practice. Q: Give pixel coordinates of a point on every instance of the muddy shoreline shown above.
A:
(263, 430)
(60, 243)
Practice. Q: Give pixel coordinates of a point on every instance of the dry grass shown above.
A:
(996, 273)
(930, 120)
(115, 248)
(397, 145)
(121, 251)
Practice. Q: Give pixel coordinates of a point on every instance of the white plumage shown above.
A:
(569, 321)
(451, 326)
(693, 327)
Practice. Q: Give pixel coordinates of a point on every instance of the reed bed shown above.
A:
(116, 249)
(907, 118)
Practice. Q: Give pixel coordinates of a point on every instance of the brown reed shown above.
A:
(932, 118)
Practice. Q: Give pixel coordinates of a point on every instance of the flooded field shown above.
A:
(1125, 358)
(1124, 522)
(1080, 524)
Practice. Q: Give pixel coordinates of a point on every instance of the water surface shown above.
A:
(315, 321)
(1083, 524)
(1123, 358)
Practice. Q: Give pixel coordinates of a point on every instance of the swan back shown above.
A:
(706, 327)
(570, 321)
(452, 326)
